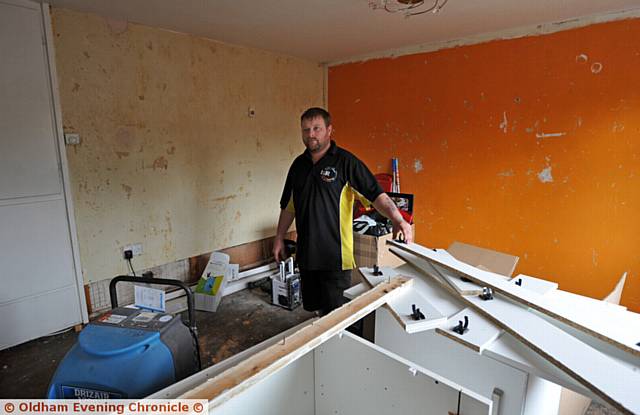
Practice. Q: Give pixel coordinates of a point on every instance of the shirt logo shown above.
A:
(329, 174)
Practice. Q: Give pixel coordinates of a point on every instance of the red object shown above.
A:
(408, 217)
(385, 181)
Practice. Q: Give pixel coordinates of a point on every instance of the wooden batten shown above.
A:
(259, 366)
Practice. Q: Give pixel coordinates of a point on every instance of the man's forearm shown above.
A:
(284, 223)
(387, 208)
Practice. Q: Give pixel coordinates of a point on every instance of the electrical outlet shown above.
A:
(136, 249)
(72, 139)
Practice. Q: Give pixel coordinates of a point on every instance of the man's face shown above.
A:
(316, 136)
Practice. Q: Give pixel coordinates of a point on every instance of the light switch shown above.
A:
(72, 139)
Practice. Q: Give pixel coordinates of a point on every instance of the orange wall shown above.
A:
(469, 125)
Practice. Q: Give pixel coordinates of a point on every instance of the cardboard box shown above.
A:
(373, 250)
(503, 264)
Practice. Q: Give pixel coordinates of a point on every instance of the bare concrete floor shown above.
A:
(243, 319)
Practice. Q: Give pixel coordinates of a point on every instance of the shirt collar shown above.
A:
(333, 149)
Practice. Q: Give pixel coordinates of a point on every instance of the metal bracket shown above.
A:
(487, 294)
(416, 313)
(462, 328)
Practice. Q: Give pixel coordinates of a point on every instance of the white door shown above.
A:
(40, 290)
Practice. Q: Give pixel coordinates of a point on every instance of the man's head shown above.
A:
(316, 129)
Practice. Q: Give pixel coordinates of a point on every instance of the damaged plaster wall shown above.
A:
(170, 155)
(528, 146)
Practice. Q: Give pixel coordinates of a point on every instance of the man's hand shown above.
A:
(385, 205)
(405, 229)
(284, 222)
(279, 251)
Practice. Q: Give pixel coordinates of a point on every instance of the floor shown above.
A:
(243, 319)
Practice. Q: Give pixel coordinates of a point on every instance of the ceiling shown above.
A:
(336, 30)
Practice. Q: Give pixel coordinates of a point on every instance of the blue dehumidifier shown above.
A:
(129, 353)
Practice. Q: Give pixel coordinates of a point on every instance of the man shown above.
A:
(319, 193)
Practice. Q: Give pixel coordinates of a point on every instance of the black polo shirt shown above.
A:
(322, 196)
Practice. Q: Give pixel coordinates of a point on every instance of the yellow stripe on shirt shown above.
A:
(346, 227)
(290, 208)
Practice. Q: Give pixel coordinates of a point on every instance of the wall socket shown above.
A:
(136, 249)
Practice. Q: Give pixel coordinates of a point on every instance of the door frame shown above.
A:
(60, 146)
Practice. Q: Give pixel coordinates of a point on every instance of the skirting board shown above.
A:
(624, 336)
(259, 366)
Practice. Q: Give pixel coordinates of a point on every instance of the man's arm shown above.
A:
(386, 207)
(284, 223)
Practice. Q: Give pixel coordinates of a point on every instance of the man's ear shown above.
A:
(330, 130)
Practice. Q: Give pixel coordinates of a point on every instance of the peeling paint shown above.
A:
(127, 189)
(117, 26)
(596, 67)
(223, 198)
(550, 135)
(582, 58)
(506, 173)
(160, 163)
(504, 123)
(617, 128)
(417, 165)
(545, 175)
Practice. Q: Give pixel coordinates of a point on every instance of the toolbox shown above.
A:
(285, 286)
